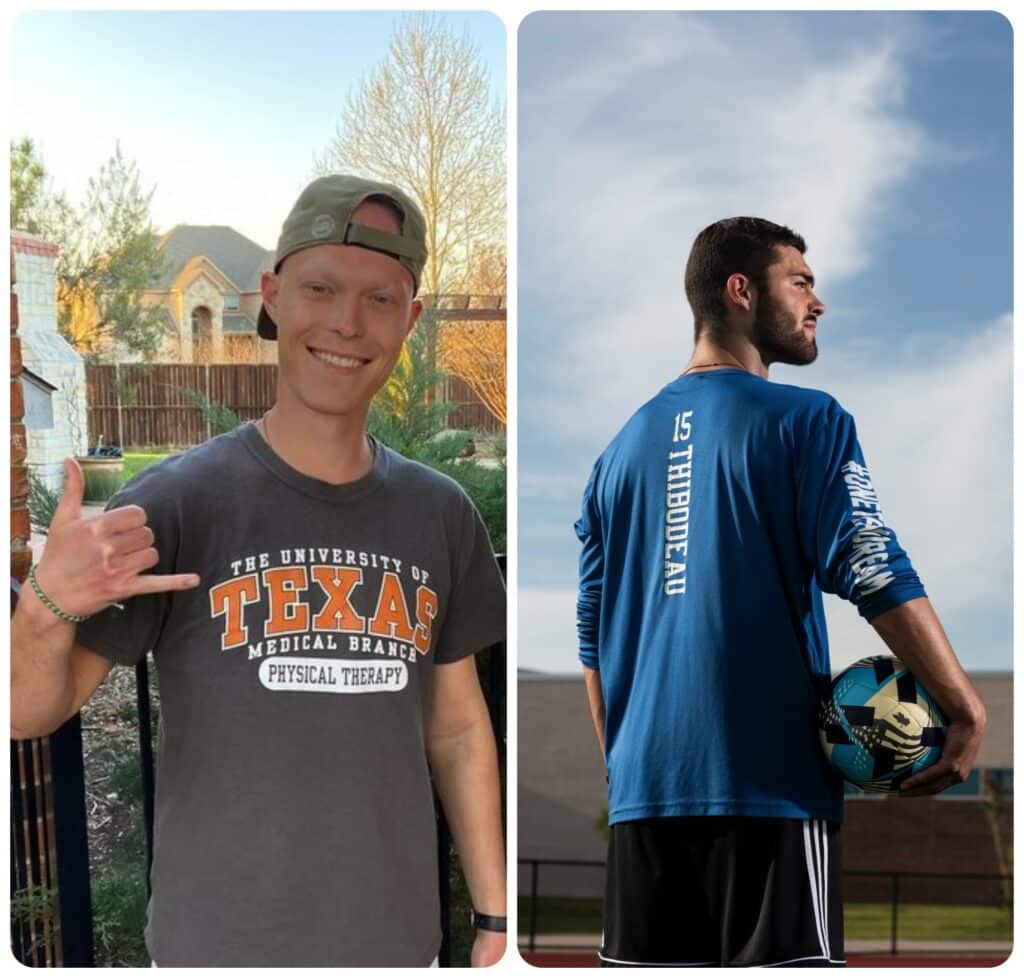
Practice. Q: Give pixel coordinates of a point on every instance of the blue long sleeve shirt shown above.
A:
(710, 527)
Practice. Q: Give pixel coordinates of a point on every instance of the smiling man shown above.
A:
(313, 601)
(710, 526)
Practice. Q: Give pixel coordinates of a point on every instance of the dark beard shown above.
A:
(779, 338)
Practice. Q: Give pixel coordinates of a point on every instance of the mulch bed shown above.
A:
(110, 743)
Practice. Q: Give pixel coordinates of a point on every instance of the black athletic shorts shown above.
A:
(722, 891)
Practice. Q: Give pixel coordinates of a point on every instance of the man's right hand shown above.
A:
(92, 562)
(963, 741)
(915, 636)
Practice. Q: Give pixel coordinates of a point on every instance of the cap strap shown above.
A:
(391, 244)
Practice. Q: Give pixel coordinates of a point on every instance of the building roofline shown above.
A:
(25, 243)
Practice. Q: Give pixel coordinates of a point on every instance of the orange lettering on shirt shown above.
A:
(426, 612)
(337, 614)
(229, 599)
(391, 619)
(287, 614)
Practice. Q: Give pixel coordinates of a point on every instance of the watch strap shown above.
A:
(483, 921)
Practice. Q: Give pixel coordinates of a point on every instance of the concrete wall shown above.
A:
(562, 789)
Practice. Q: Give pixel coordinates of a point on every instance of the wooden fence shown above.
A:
(134, 405)
(467, 411)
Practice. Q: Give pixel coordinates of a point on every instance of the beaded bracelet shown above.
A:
(63, 615)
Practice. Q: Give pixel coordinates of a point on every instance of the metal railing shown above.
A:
(894, 901)
(893, 877)
(535, 865)
(51, 901)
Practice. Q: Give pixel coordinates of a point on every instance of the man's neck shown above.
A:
(736, 352)
(331, 448)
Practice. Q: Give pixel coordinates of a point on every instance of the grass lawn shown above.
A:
(862, 920)
(136, 461)
(923, 921)
(562, 915)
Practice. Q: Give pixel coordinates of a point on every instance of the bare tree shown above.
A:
(423, 119)
(475, 350)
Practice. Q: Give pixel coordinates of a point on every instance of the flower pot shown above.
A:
(103, 477)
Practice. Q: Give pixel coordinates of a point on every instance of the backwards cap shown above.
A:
(323, 215)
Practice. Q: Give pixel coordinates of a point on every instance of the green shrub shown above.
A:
(217, 416)
(487, 488)
(119, 901)
(42, 502)
(405, 418)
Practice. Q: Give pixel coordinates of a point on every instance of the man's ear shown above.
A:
(268, 290)
(414, 314)
(740, 292)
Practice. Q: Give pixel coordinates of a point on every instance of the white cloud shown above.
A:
(936, 432)
(547, 629)
(621, 165)
(636, 146)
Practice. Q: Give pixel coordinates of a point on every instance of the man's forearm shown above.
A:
(42, 680)
(465, 770)
(915, 635)
(913, 631)
(595, 697)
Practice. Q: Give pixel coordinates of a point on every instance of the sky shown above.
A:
(885, 140)
(224, 112)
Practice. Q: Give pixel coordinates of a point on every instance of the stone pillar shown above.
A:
(48, 354)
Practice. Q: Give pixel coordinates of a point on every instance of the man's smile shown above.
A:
(337, 359)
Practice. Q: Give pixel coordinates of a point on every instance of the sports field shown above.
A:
(863, 921)
(929, 935)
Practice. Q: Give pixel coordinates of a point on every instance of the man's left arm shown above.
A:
(915, 635)
(857, 556)
(464, 762)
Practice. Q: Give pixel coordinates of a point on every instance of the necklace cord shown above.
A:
(697, 366)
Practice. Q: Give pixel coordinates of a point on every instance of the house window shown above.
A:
(231, 303)
(202, 334)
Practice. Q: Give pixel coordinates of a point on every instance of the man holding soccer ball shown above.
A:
(710, 527)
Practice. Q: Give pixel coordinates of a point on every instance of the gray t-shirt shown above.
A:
(294, 813)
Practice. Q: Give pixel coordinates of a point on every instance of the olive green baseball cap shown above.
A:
(323, 215)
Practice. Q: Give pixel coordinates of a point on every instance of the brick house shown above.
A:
(210, 293)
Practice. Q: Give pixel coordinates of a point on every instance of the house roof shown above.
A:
(36, 380)
(236, 322)
(240, 259)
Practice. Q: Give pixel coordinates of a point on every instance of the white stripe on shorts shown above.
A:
(824, 886)
(811, 859)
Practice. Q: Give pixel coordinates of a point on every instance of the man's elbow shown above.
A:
(28, 723)
(460, 744)
(33, 731)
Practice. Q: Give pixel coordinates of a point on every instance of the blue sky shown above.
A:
(223, 111)
(885, 140)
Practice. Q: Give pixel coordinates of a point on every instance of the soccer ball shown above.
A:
(878, 726)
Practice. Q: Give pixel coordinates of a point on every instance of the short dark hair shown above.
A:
(737, 244)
